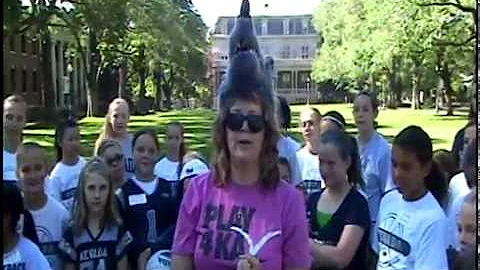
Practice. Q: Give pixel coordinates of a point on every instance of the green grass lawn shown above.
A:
(198, 126)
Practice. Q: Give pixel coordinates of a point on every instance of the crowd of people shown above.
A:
(358, 203)
(262, 201)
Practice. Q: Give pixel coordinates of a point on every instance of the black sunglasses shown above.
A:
(234, 122)
(116, 158)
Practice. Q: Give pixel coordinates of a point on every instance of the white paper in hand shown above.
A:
(255, 248)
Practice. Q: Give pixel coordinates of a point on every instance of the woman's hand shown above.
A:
(248, 262)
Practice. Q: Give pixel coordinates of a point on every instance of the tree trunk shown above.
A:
(447, 80)
(46, 64)
(158, 85)
(417, 76)
(142, 73)
(93, 108)
(167, 89)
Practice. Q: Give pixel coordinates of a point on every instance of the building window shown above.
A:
(13, 79)
(11, 41)
(302, 78)
(35, 81)
(23, 45)
(284, 79)
(304, 52)
(24, 80)
(275, 26)
(34, 46)
(285, 52)
(295, 26)
(258, 26)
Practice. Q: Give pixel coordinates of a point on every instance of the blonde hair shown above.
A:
(80, 212)
(107, 129)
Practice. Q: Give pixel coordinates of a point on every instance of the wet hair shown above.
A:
(182, 151)
(70, 122)
(269, 175)
(149, 132)
(284, 113)
(13, 204)
(415, 140)
(80, 211)
(347, 149)
(335, 117)
(25, 149)
(446, 162)
(469, 162)
(15, 99)
(106, 144)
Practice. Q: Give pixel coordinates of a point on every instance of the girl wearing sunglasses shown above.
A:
(112, 154)
(242, 197)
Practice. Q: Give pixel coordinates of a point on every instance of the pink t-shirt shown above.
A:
(207, 213)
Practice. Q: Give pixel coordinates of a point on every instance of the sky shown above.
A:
(210, 10)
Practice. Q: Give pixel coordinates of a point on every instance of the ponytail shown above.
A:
(436, 183)
(417, 141)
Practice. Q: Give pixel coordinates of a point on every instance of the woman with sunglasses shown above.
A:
(111, 152)
(241, 215)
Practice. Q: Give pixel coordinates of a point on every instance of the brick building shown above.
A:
(22, 72)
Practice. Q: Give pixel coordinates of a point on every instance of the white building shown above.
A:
(290, 40)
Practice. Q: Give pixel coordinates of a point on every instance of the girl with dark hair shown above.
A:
(375, 154)
(286, 146)
(18, 251)
(95, 238)
(170, 167)
(338, 214)
(63, 179)
(241, 215)
(459, 140)
(411, 223)
(148, 206)
(332, 120)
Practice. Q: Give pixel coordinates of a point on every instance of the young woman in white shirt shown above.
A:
(14, 119)
(49, 215)
(411, 223)
(63, 180)
(170, 166)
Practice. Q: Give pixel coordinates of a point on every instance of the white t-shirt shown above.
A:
(375, 157)
(147, 187)
(63, 182)
(50, 221)
(9, 166)
(25, 255)
(309, 168)
(411, 234)
(166, 169)
(286, 149)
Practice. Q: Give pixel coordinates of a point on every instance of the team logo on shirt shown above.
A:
(393, 249)
(217, 238)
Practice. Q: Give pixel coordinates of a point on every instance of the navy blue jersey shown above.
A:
(150, 218)
(95, 253)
